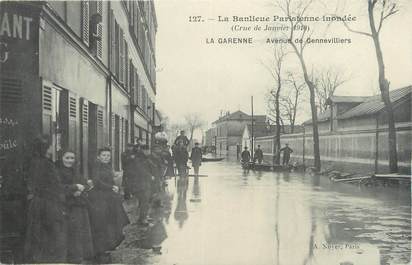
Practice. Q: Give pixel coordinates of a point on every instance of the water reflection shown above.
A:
(181, 213)
(196, 190)
(246, 217)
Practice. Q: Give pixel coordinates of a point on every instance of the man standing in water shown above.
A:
(196, 157)
(286, 154)
(259, 155)
(245, 155)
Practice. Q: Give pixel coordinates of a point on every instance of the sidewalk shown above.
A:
(137, 245)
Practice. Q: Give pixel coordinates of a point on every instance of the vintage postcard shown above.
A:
(206, 132)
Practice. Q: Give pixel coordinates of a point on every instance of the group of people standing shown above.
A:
(71, 219)
(75, 220)
(258, 157)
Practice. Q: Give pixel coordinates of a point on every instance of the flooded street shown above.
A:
(245, 217)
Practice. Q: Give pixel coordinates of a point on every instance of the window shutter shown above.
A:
(99, 48)
(47, 100)
(121, 57)
(112, 42)
(136, 19)
(126, 66)
(73, 130)
(131, 80)
(117, 49)
(84, 135)
(100, 126)
(85, 21)
(137, 89)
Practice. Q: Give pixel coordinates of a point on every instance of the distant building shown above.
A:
(229, 130)
(209, 140)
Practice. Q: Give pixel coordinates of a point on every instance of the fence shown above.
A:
(357, 150)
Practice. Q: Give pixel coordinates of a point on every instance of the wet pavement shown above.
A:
(245, 217)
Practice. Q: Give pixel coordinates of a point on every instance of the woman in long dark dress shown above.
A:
(79, 237)
(46, 240)
(107, 215)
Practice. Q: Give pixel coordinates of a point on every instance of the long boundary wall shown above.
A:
(361, 151)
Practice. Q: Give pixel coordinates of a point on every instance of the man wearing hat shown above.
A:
(245, 155)
(182, 138)
(196, 157)
(286, 154)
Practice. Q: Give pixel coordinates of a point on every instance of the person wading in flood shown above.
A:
(196, 157)
(245, 156)
(259, 155)
(286, 154)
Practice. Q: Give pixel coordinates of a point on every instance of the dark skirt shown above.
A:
(46, 235)
(107, 219)
(80, 241)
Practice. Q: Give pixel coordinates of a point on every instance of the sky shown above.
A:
(193, 76)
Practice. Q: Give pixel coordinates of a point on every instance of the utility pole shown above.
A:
(252, 142)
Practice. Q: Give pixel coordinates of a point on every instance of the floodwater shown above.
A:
(234, 216)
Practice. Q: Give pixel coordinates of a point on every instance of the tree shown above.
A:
(378, 12)
(295, 8)
(289, 103)
(326, 84)
(276, 72)
(193, 121)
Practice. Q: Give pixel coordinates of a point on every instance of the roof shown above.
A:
(260, 130)
(375, 104)
(323, 116)
(240, 115)
(346, 99)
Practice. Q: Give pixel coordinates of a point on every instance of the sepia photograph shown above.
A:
(206, 132)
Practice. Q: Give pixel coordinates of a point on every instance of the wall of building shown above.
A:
(66, 66)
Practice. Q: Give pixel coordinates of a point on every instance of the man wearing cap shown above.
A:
(196, 157)
(286, 154)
